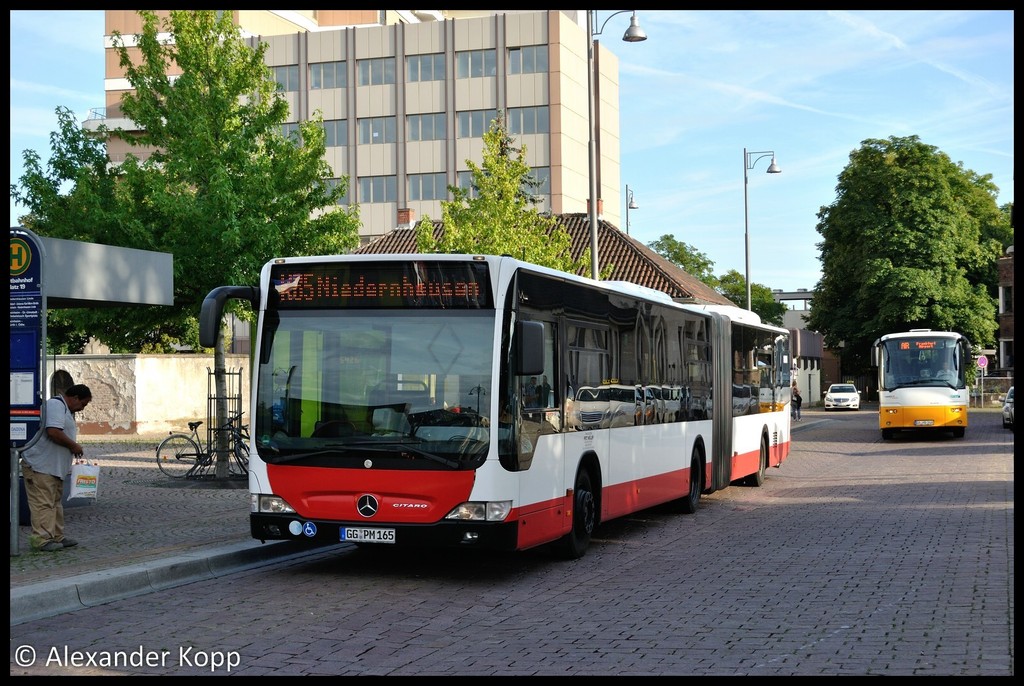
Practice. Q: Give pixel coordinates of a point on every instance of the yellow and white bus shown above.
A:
(921, 383)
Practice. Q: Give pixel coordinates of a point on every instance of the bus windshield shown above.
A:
(924, 361)
(341, 386)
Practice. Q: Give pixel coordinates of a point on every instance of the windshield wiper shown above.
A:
(401, 445)
(368, 447)
(291, 457)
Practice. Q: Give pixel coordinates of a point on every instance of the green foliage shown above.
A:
(222, 190)
(499, 218)
(734, 286)
(910, 242)
(687, 258)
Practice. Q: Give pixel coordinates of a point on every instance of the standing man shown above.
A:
(530, 393)
(544, 392)
(47, 463)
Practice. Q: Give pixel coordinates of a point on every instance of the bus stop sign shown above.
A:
(28, 336)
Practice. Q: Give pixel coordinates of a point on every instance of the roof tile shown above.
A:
(632, 260)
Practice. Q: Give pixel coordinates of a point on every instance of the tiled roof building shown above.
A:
(632, 260)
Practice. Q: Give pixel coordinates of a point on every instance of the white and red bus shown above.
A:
(432, 400)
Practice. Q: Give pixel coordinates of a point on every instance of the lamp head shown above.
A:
(632, 203)
(634, 34)
(774, 168)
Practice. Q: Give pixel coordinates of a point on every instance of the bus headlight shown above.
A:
(496, 511)
(272, 504)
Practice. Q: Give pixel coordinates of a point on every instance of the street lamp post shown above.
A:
(633, 34)
(749, 160)
(630, 205)
(479, 391)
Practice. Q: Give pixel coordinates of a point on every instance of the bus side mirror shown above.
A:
(213, 309)
(531, 348)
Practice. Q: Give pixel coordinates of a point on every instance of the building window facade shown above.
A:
(529, 59)
(426, 127)
(542, 176)
(428, 186)
(287, 78)
(424, 68)
(475, 123)
(376, 72)
(374, 130)
(472, 64)
(464, 180)
(378, 189)
(327, 75)
(526, 120)
(335, 132)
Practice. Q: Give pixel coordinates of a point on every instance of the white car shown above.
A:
(1008, 410)
(605, 407)
(842, 396)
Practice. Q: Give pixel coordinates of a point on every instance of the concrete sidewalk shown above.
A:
(145, 531)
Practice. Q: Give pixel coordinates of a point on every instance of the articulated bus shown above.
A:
(921, 383)
(481, 401)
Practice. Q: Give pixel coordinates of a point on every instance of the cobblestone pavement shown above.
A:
(140, 515)
(144, 528)
(871, 567)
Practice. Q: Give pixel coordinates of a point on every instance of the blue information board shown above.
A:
(28, 337)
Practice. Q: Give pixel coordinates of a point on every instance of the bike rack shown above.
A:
(233, 403)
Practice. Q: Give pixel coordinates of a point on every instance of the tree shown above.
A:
(910, 242)
(732, 284)
(498, 219)
(686, 257)
(223, 190)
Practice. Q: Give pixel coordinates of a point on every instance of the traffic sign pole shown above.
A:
(982, 365)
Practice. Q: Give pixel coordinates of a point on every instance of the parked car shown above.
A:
(1008, 410)
(842, 396)
(605, 407)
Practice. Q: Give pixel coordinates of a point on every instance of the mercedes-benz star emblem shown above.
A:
(367, 505)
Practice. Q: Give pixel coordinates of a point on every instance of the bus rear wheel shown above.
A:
(574, 544)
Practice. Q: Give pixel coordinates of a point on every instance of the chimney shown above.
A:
(406, 217)
(600, 208)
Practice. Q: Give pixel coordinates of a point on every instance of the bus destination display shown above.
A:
(462, 285)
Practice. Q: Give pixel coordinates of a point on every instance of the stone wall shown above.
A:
(145, 394)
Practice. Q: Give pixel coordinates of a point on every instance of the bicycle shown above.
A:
(183, 455)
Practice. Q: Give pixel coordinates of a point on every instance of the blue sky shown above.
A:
(808, 85)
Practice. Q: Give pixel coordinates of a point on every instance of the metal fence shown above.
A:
(989, 391)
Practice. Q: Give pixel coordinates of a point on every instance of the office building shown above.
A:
(406, 96)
